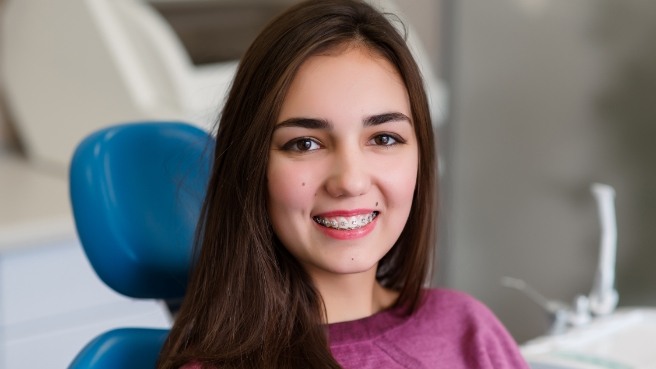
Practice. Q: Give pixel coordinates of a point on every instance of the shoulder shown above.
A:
(452, 312)
(457, 310)
(465, 326)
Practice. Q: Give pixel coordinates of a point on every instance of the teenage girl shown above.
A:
(318, 227)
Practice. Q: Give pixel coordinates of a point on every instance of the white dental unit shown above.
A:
(625, 339)
(71, 68)
(591, 334)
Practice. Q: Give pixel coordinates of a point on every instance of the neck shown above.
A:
(352, 296)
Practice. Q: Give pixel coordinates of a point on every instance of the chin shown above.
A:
(351, 266)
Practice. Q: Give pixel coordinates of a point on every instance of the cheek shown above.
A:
(401, 188)
(291, 188)
(398, 181)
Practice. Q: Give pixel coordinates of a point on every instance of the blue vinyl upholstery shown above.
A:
(136, 191)
(124, 348)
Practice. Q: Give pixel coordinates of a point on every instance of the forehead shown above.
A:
(352, 80)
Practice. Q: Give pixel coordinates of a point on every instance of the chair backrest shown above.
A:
(136, 191)
(123, 348)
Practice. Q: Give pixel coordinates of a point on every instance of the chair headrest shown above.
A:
(136, 191)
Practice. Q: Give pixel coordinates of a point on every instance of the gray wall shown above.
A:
(547, 98)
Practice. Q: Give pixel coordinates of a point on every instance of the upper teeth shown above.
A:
(353, 222)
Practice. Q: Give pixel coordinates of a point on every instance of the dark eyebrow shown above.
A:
(309, 123)
(384, 118)
(313, 123)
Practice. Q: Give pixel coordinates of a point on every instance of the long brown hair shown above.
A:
(249, 303)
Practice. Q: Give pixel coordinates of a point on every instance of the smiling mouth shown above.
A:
(346, 223)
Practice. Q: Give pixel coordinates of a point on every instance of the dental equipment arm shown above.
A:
(557, 311)
(604, 296)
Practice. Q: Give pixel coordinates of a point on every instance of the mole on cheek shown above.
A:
(376, 203)
(303, 184)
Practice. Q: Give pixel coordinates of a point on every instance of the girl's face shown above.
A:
(343, 163)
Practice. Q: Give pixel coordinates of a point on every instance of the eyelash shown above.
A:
(293, 144)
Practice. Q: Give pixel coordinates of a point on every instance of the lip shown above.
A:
(347, 234)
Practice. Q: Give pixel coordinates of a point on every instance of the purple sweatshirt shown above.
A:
(450, 330)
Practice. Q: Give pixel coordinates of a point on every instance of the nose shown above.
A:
(349, 175)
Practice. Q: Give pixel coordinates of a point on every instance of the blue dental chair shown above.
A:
(136, 191)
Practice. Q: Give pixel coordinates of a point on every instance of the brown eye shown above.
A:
(384, 140)
(304, 145)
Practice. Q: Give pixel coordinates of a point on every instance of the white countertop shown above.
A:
(622, 340)
(34, 204)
